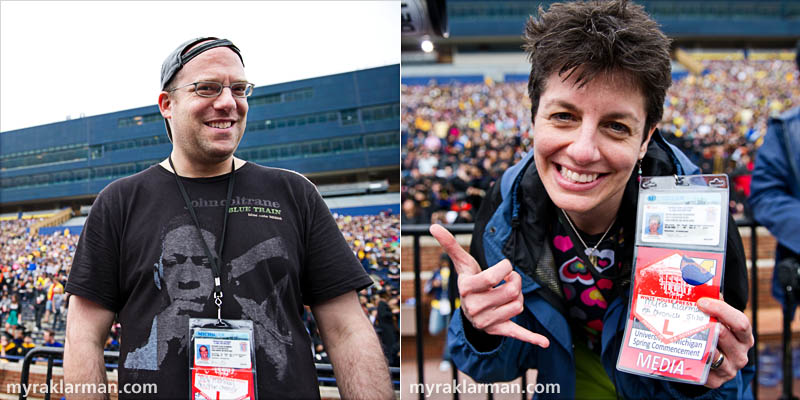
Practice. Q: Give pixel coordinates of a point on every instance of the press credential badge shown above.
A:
(222, 361)
(680, 255)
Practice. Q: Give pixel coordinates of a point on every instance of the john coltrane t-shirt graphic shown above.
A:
(187, 280)
(259, 208)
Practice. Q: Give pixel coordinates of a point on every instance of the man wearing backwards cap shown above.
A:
(269, 245)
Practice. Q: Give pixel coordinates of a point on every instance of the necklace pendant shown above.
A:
(593, 260)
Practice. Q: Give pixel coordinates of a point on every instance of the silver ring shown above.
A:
(719, 361)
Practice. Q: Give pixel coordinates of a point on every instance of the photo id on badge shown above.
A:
(682, 218)
(222, 349)
(222, 359)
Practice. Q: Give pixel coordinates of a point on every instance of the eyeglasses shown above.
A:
(180, 259)
(213, 89)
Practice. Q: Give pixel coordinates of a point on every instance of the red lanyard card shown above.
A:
(222, 360)
(679, 258)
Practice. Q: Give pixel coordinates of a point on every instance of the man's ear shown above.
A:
(165, 105)
(643, 148)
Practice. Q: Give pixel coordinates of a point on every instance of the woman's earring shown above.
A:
(639, 179)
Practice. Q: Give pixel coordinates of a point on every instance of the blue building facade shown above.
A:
(334, 129)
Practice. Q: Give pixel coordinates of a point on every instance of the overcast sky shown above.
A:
(66, 58)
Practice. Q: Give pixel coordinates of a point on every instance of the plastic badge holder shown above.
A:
(223, 364)
(679, 257)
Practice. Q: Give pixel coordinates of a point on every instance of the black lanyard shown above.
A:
(212, 259)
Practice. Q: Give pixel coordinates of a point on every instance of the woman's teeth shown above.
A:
(576, 177)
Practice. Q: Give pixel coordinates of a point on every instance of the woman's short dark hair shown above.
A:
(599, 37)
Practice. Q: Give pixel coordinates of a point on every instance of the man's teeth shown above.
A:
(576, 177)
(220, 125)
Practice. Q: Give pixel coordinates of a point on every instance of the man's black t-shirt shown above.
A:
(140, 256)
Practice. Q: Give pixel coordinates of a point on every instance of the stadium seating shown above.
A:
(26, 258)
(459, 137)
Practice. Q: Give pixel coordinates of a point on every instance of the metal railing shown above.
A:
(417, 231)
(54, 356)
(325, 374)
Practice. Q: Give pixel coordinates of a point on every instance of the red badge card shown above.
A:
(666, 335)
(217, 383)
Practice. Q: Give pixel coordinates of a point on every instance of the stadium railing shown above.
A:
(416, 231)
(54, 356)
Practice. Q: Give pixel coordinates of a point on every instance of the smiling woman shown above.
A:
(586, 147)
(553, 241)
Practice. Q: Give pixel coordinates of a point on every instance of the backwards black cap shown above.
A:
(180, 57)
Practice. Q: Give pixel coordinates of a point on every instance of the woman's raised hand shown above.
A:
(486, 305)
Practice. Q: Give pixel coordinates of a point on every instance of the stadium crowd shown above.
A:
(458, 138)
(33, 272)
(719, 119)
(375, 240)
(34, 269)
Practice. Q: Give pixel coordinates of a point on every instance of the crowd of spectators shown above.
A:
(459, 138)
(34, 269)
(33, 272)
(719, 118)
(375, 240)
